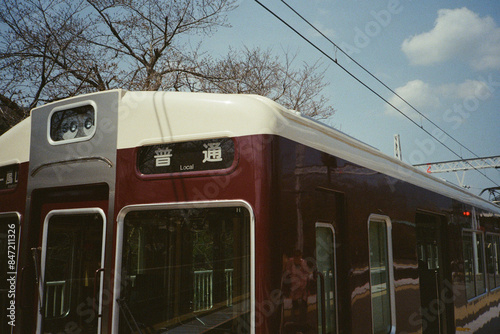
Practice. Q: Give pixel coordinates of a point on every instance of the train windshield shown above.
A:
(186, 270)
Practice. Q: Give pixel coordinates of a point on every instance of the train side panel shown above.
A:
(432, 291)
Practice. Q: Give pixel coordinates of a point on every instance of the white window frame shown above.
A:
(390, 263)
(120, 219)
(330, 226)
(67, 107)
(70, 212)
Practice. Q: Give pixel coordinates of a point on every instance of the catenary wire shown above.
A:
(379, 81)
(376, 78)
(369, 88)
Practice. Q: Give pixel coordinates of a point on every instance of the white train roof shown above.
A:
(156, 117)
(159, 117)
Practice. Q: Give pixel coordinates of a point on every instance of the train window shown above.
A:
(187, 269)
(381, 275)
(72, 124)
(9, 237)
(72, 255)
(475, 275)
(326, 290)
(493, 259)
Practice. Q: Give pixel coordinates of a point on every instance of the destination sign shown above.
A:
(9, 176)
(201, 155)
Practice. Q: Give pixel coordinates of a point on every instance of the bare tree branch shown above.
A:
(253, 71)
(52, 49)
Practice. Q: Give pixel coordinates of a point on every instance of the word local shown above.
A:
(186, 167)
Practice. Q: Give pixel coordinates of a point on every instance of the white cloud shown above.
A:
(427, 98)
(466, 90)
(417, 93)
(457, 33)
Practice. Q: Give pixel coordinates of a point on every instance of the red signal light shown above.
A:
(466, 213)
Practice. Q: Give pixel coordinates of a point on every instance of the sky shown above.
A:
(441, 56)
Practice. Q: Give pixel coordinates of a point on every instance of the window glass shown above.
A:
(493, 260)
(469, 265)
(73, 255)
(475, 276)
(186, 268)
(380, 277)
(71, 124)
(325, 257)
(480, 268)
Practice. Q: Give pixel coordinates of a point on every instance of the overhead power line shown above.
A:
(334, 60)
(377, 79)
(460, 165)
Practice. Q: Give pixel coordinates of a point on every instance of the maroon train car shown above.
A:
(163, 212)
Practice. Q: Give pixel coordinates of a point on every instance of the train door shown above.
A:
(309, 279)
(436, 307)
(69, 260)
(71, 270)
(310, 287)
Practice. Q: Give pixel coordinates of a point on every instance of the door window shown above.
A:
(381, 275)
(325, 261)
(72, 256)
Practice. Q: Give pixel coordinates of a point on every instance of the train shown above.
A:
(175, 212)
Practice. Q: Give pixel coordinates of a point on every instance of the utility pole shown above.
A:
(460, 165)
(397, 148)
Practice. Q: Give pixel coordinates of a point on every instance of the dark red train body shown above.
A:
(148, 212)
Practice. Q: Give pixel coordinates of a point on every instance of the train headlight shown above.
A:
(89, 123)
(72, 124)
(69, 128)
(73, 127)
